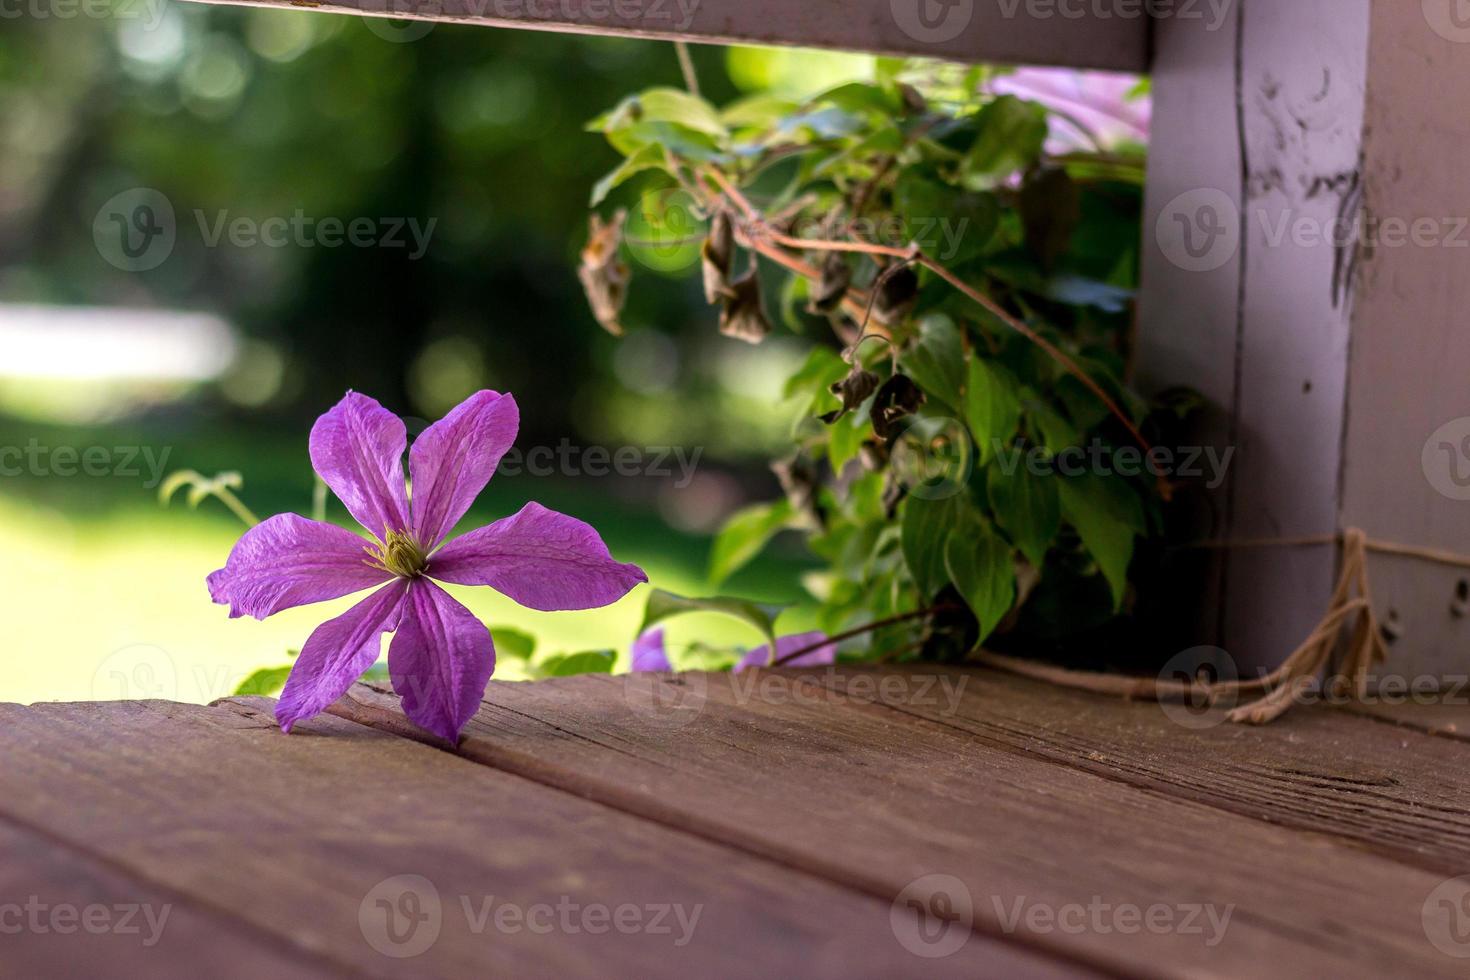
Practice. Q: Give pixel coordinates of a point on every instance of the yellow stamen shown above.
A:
(400, 555)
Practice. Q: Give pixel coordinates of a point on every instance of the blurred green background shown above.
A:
(237, 113)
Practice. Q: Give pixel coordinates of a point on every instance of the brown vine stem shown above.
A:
(861, 630)
(915, 254)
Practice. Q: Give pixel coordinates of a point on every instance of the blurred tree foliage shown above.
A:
(264, 113)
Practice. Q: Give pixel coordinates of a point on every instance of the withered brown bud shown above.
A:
(897, 399)
(604, 275)
(830, 290)
(799, 481)
(744, 316)
(718, 254)
(913, 100)
(853, 390)
(897, 294)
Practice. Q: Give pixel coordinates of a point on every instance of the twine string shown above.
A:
(1350, 610)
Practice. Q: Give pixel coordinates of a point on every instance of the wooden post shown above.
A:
(1307, 270)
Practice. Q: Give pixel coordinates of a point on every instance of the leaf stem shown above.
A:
(862, 630)
(760, 229)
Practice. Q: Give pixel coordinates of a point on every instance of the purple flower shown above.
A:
(649, 653)
(441, 656)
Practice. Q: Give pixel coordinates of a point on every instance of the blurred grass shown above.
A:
(106, 591)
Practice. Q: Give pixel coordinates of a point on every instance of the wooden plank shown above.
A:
(59, 907)
(1405, 473)
(1246, 296)
(1007, 32)
(1399, 792)
(874, 798)
(311, 837)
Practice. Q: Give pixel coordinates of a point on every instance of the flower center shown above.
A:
(400, 555)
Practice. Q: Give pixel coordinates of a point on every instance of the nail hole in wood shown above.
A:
(1392, 630)
(1460, 605)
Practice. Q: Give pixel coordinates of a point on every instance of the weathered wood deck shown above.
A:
(846, 823)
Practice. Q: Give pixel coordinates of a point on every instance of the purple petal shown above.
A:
(440, 660)
(454, 458)
(357, 449)
(541, 559)
(649, 654)
(786, 646)
(289, 561)
(338, 653)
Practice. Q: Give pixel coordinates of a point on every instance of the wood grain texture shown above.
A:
(1405, 477)
(301, 837)
(966, 30)
(873, 798)
(1392, 790)
(60, 908)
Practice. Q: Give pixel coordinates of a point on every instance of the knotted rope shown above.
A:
(1350, 611)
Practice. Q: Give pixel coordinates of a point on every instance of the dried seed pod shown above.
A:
(718, 255)
(897, 294)
(744, 316)
(604, 275)
(799, 481)
(828, 293)
(897, 399)
(853, 390)
(913, 100)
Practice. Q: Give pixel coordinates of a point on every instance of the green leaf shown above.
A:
(992, 406)
(1051, 428)
(863, 97)
(744, 536)
(845, 440)
(979, 563)
(1107, 525)
(648, 158)
(572, 664)
(926, 526)
(1027, 507)
(662, 105)
(937, 361)
(666, 605)
(950, 223)
(1010, 135)
(513, 643)
(264, 682)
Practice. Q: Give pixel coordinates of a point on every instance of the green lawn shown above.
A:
(106, 597)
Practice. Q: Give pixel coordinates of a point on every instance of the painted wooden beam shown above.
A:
(1073, 33)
